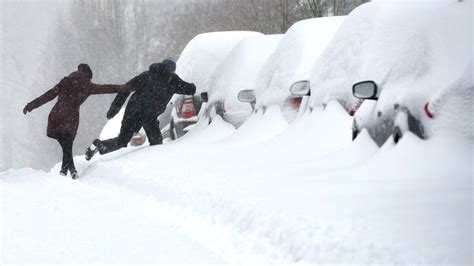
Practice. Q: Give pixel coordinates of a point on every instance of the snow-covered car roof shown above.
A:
(411, 49)
(204, 53)
(296, 52)
(239, 71)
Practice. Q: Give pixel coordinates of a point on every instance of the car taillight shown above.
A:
(296, 102)
(428, 112)
(188, 110)
(138, 139)
(354, 107)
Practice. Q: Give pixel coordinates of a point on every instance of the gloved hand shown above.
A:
(111, 113)
(27, 109)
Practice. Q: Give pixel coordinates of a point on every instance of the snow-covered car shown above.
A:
(300, 92)
(402, 49)
(197, 63)
(292, 61)
(239, 71)
(452, 104)
(290, 107)
(410, 96)
(184, 114)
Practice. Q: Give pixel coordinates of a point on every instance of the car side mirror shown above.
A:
(301, 88)
(248, 96)
(204, 97)
(366, 90)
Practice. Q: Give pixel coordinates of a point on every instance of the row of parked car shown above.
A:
(390, 65)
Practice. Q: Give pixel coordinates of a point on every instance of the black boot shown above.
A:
(64, 169)
(93, 149)
(74, 173)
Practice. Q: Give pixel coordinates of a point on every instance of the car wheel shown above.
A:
(400, 126)
(397, 134)
(355, 130)
(355, 133)
(172, 130)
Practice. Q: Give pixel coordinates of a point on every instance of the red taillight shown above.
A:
(428, 111)
(354, 107)
(138, 141)
(296, 102)
(188, 110)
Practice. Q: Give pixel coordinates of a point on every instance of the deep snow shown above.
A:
(269, 191)
(301, 194)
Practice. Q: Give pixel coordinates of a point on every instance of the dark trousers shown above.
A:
(152, 130)
(66, 142)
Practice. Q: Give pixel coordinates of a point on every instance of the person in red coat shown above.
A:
(63, 120)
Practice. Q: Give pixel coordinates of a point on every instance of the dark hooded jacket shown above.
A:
(153, 90)
(71, 91)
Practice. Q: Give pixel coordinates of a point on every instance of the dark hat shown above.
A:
(86, 69)
(170, 64)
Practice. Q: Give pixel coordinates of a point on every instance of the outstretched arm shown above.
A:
(120, 99)
(108, 89)
(46, 97)
(182, 87)
(117, 104)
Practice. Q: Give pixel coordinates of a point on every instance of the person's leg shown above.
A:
(65, 163)
(109, 145)
(152, 129)
(66, 142)
(72, 167)
(125, 135)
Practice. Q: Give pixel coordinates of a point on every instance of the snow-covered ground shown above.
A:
(269, 191)
(301, 194)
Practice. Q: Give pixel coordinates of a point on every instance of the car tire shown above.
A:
(355, 133)
(355, 130)
(401, 125)
(397, 134)
(172, 130)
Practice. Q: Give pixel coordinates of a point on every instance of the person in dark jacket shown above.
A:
(153, 90)
(63, 120)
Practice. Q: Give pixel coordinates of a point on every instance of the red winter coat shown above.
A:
(72, 91)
